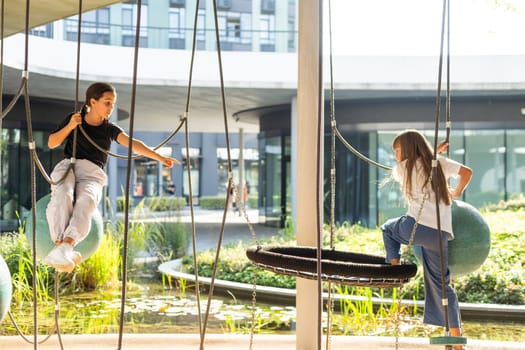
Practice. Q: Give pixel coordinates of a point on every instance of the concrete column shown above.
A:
(307, 166)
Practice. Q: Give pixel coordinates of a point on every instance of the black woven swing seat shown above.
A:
(336, 266)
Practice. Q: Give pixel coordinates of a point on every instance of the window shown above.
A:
(267, 32)
(230, 26)
(44, 31)
(292, 37)
(267, 6)
(234, 28)
(201, 25)
(515, 163)
(224, 4)
(485, 154)
(176, 28)
(94, 27)
(195, 160)
(129, 21)
(177, 3)
(251, 172)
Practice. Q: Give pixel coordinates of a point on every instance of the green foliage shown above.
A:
(18, 257)
(212, 203)
(121, 201)
(166, 203)
(168, 240)
(515, 204)
(253, 201)
(492, 289)
(500, 279)
(158, 203)
(102, 269)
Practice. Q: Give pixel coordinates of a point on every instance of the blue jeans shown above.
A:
(397, 231)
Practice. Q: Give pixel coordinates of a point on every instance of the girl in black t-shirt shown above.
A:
(74, 200)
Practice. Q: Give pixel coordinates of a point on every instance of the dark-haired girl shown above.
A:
(74, 200)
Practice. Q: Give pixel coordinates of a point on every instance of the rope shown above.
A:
(230, 178)
(357, 153)
(188, 169)
(128, 180)
(319, 176)
(182, 121)
(330, 302)
(434, 170)
(33, 190)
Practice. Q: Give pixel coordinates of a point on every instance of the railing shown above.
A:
(174, 38)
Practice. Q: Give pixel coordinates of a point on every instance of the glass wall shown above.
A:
(271, 207)
(195, 168)
(515, 163)
(15, 173)
(485, 154)
(366, 194)
(354, 178)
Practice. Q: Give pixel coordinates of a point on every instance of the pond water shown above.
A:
(152, 309)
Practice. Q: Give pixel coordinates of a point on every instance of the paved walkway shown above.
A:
(233, 342)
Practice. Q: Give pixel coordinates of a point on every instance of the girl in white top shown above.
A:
(413, 172)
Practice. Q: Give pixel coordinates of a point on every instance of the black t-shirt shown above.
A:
(102, 135)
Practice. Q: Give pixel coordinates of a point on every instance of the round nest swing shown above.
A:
(336, 266)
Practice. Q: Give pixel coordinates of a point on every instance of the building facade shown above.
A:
(376, 97)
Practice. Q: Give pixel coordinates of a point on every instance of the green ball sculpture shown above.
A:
(43, 239)
(6, 288)
(471, 245)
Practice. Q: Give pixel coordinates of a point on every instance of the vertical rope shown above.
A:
(329, 303)
(128, 178)
(188, 169)
(231, 185)
(434, 172)
(319, 175)
(2, 16)
(33, 186)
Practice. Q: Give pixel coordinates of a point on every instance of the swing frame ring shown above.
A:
(336, 266)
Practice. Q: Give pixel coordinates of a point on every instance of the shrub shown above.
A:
(168, 240)
(166, 203)
(212, 203)
(514, 204)
(253, 201)
(121, 201)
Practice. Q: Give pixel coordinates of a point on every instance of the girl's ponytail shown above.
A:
(84, 110)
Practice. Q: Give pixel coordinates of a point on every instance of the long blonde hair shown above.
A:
(414, 146)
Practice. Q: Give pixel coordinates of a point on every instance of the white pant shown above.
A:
(74, 200)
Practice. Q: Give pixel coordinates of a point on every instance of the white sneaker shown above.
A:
(76, 257)
(60, 258)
